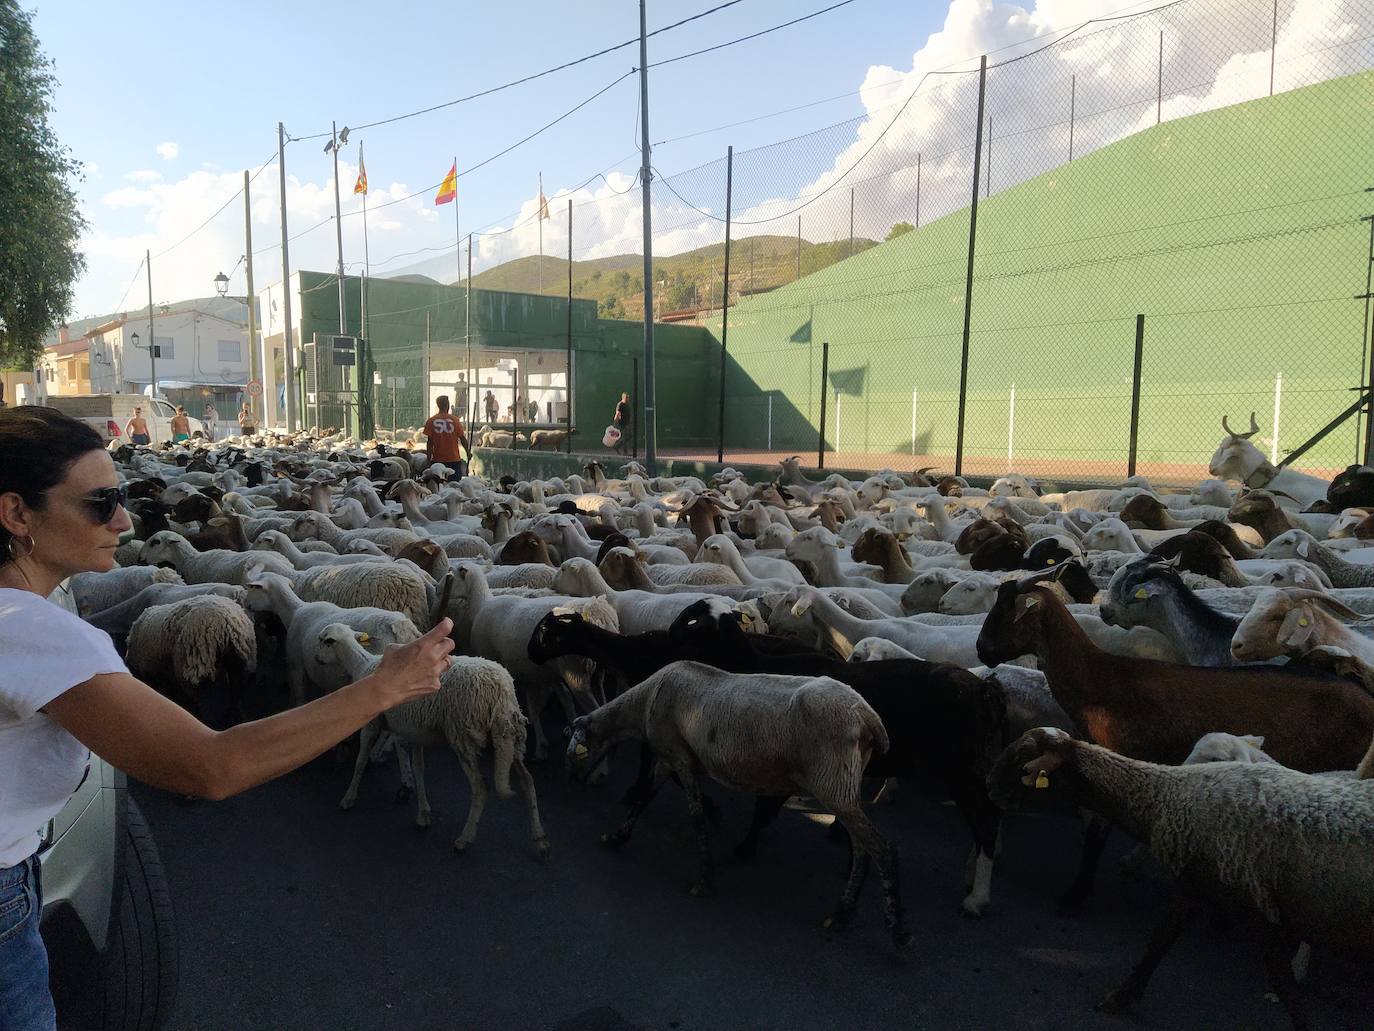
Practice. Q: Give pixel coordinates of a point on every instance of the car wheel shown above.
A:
(140, 985)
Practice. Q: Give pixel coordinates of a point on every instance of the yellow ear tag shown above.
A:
(745, 619)
(580, 751)
(1042, 780)
(1142, 594)
(1303, 621)
(364, 639)
(1049, 561)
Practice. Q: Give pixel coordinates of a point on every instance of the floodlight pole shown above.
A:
(645, 177)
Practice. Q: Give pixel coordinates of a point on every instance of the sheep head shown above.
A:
(1281, 622)
(1012, 627)
(555, 634)
(1031, 762)
(1235, 457)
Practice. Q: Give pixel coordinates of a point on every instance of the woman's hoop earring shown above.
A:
(15, 553)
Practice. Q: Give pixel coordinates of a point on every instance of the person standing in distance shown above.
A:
(248, 422)
(210, 417)
(624, 415)
(137, 428)
(65, 692)
(443, 434)
(181, 426)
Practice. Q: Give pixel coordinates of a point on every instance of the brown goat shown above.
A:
(1156, 711)
(881, 548)
(1224, 533)
(1148, 512)
(523, 547)
(428, 555)
(705, 516)
(1203, 554)
(1260, 510)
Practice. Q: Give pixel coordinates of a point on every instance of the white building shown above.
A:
(203, 355)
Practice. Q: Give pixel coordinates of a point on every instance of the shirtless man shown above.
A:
(137, 428)
(181, 426)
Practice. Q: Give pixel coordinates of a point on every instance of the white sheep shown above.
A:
(475, 707)
(95, 592)
(1296, 849)
(303, 620)
(774, 735)
(277, 541)
(117, 619)
(499, 626)
(191, 647)
(215, 566)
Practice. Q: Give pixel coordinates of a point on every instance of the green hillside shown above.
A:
(1236, 232)
(693, 278)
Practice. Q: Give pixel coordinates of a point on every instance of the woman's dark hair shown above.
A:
(37, 447)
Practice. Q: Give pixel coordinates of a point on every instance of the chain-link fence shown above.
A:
(1155, 222)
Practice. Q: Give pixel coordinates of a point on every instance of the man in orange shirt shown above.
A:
(443, 435)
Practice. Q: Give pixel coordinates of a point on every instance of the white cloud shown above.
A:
(1115, 67)
(143, 175)
(168, 150)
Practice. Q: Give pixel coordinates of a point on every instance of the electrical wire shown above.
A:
(132, 281)
(756, 35)
(526, 78)
(234, 196)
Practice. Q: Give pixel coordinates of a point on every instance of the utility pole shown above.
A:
(254, 369)
(152, 340)
(289, 351)
(968, 282)
(338, 223)
(646, 176)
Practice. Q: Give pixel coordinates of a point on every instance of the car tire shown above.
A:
(140, 982)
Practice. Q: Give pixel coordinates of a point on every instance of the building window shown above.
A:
(166, 347)
(230, 351)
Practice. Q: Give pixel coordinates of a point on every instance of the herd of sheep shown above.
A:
(1195, 669)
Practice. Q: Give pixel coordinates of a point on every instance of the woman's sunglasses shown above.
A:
(102, 503)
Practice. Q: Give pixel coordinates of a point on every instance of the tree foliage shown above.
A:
(40, 224)
(899, 229)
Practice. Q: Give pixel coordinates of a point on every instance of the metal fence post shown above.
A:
(725, 301)
(968, 282)
(1159, 81)
(825, 376)
(568, 374)
(634, 405)
(1135, 392)
(1073, 103)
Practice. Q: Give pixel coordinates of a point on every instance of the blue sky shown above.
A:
(213, 80)
(167, 104)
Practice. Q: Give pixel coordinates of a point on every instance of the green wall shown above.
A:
(1236, 233)
(402, 315)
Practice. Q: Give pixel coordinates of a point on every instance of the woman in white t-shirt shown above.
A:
(64, 689)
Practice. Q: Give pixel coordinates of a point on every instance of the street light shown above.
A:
(221, 284)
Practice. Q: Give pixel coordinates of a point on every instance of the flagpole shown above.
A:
(367, 262)
(539, 217)
(458, 234)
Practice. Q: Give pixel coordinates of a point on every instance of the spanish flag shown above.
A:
(448, 189)
(543, 201)
(361, 185)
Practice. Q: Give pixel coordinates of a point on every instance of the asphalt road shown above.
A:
(294, 914)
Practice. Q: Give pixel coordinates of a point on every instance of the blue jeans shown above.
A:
(25, 1001)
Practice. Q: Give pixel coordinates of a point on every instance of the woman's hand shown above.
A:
(410, 671)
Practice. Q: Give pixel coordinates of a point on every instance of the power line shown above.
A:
(526, 78)
(753, 35)
(132, 281)
(234, 196)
